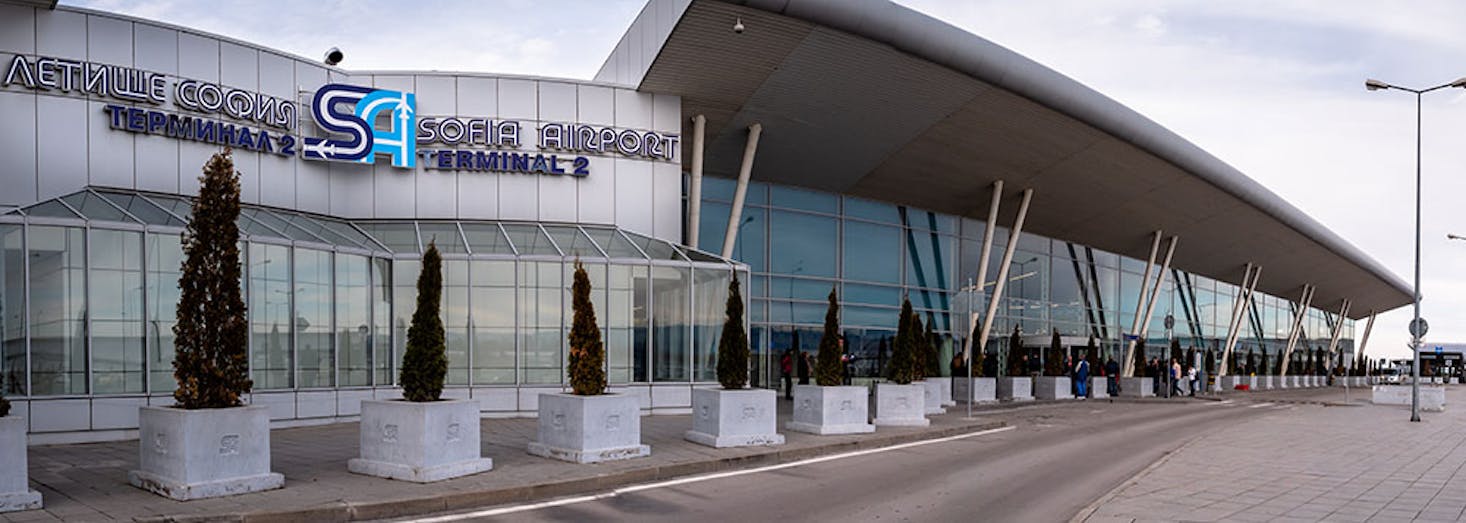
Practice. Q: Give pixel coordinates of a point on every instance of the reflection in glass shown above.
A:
(670, 322)
(116, 281)
(872, 252)
(493, 322)
(454, 311)
(404, 295)
(710, 301)
(12, 310)
(313, 318)
(353, 319)
(804, 246)
(165, 260)
(539, 321)
(381, 341)
(625, 319)
(269, 316)
(58, 307)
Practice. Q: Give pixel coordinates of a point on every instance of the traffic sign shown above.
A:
(1418, 327)
(1170, 321)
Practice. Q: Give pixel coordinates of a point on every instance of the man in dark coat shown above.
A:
(1112, 370)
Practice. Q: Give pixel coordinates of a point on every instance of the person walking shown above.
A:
(786, 364)
(1191, 378)
(1154, 370)
(1175, 378)
(1112, 370)
(1081, 377)
(804, 368)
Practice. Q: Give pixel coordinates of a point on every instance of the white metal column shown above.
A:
(1368, 326)
(1239, 314)
(1338, 329)
(982, 264)
(1127, 369)
(1303, 304)
(750, 148)
(987, 320)
(694, 186)
(1155, 290)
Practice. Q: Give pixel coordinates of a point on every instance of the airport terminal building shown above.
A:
(856, 146)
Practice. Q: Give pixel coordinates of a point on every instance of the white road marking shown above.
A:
(1223, 402)
(696, 479)
(1260, 405)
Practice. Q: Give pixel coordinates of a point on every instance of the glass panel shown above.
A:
(398, 237)
(872, 294)
(796, 312)
(805, 244)
(404, 297)
(710, 303)
(445, 235)
(486, 238)
(142, 208)
(528, 239)
(58, 311)
(93, 207)
(165, 260)
(717, 188)
(269, 316)
(625, 319)
(804, 199)
(713, 225)
(381, 341)
(871, 210)
(656, 249)
(279, 224)
(930, 259)
(12, 310)
(50, 209)
(116, 299)
(872, 252)
(455, 319)
(870, 316)
(614, 245)
(318, 228)
(670, 321)
(353, 319)
(539, 321)
(317, 361)
(699, 256)
(933, 221)
(572, 242)
(493, 322)
(800, 288)
(251, 227)
(181, 206)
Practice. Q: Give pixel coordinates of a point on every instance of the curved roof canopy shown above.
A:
(869, 98)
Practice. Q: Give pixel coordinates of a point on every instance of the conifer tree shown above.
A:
(4, 403)
(933, 352)
(1140, 358)
(733, 344)
(425, 361)
(829, 371)
(979, 358)
(1054, 362)
(1016, 353)
(918, 348)
(903, 362)
(587, 355)
(210, 358)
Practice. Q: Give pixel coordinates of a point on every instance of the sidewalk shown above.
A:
(88, 482)
(1315, 458)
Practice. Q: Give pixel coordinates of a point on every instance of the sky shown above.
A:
(1272, 88)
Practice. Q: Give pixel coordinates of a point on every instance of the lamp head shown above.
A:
(1375, 85)
(333, 56)
(1460, 82)
(738, 26)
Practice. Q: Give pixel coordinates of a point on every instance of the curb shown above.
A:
(356, 511)
(1089, 510)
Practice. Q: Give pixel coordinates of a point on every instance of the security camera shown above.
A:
(738, 26)
(333, 56)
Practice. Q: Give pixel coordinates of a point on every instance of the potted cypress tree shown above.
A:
(929, 371)
(1054, 384)
(900, 401)
(733, 415)
(934, 370)
(828, 407)
(1017, 385)
(422, 438)
(210, 443)
(979, 388)
(15, 492)
(588, 425)
(1265, 381)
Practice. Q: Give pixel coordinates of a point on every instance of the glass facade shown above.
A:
(800, 244)
(90, 288)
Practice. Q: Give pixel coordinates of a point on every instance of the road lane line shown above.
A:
(1259, 405)
(697, 479)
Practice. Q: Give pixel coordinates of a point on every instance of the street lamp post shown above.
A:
(1416, 327)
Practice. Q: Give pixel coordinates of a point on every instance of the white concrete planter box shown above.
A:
(900, 405)
(1099, 387)
(1250, 381)
(1264, 382)
(1012, 388)
(15, 492)
(831, 410)
(204, 453)
(1053, 388)
(946, 390)
(420, 442)
(734, 418)
(1231, 382)
(1431, 398)
(976, 390)
(589, 429)
(1295, 382)
(931, 399)
(1136, 388)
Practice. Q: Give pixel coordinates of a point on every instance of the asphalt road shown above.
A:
(1057, 460)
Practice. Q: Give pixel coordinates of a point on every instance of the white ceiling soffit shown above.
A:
(869, 98)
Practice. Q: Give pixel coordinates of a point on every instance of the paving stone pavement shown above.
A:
(88, 482)
(1350, 462)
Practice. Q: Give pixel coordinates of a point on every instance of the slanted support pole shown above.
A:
(750, 148)
(987, 320)
(982, 265)
(1155, 290)
(694, 186)
(1338, 329)
(1368, 326)
(1128, 369)
(1303, 304)
(1239, 313)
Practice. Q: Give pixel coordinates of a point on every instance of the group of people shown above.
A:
(800, 364)
(1176, 375)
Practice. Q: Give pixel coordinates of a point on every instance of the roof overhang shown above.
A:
(873, 99)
